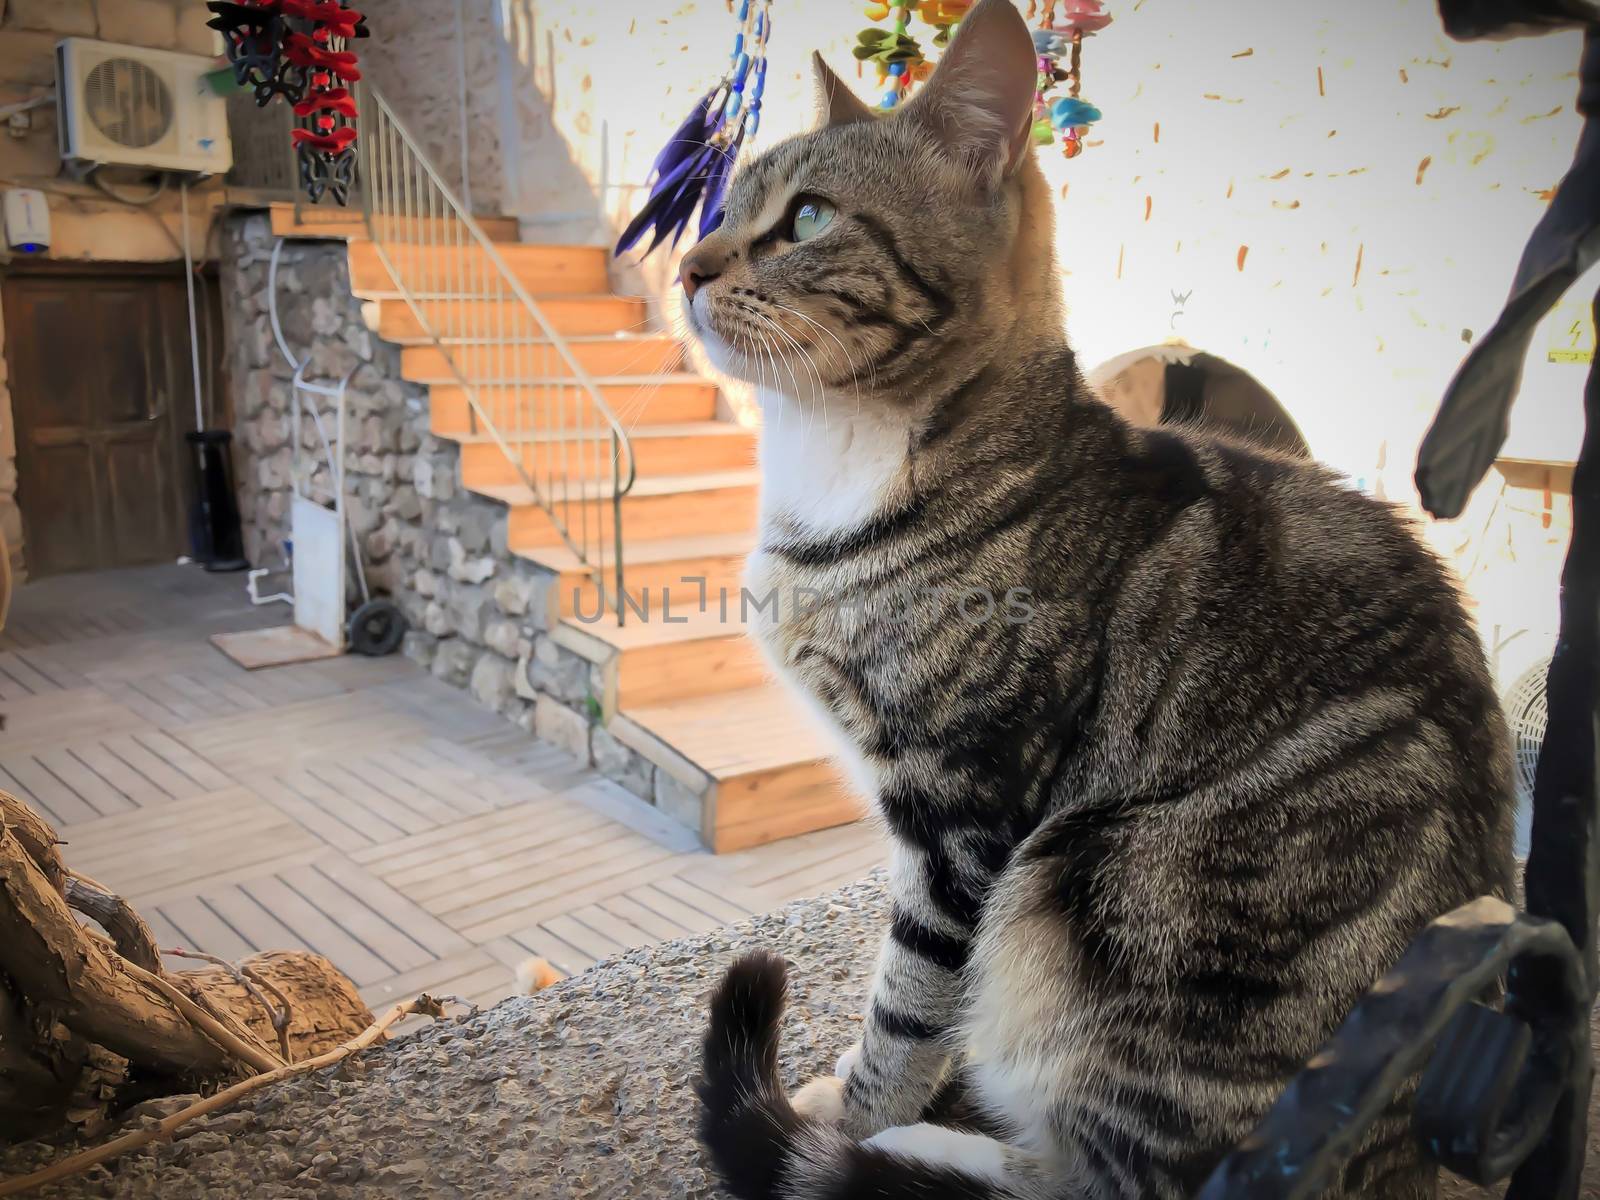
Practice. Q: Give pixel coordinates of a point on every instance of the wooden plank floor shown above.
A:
(355, 807)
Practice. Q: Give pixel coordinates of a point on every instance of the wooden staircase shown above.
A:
(689, 695)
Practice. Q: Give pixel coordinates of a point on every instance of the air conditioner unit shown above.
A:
(129, 106)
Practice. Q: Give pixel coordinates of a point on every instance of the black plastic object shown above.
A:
(216, 539)
(1467, 20)
(376, 627)
(1467, 1084)
(1471, 424)
(1323, 1116)
(1562, 879)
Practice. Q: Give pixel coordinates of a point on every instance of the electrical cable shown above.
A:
(156, 192)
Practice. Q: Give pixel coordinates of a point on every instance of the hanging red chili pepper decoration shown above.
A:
(299, 49)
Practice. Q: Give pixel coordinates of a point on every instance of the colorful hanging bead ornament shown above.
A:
(895, 51)
(1062, 27)
(899, 57)
(693, 168)
(299, 50)
(944, 16)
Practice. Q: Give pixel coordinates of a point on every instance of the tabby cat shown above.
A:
(1179, 742)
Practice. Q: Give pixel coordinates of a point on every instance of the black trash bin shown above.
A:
(215, 536)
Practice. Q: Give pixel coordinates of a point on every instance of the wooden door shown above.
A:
(101, 393)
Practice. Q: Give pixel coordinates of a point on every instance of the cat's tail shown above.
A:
(761, 1146)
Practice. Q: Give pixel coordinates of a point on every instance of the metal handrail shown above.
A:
(525, 387)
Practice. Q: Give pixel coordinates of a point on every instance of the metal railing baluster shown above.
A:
(524, 384)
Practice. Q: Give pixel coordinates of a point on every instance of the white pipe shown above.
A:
(272, 308)
(194, 332)
(461, 80)
(7, 111)
(250, 582)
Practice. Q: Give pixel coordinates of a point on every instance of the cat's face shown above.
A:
(850, 259)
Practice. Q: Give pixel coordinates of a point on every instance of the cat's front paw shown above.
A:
(847, 1061)
(822, 1100)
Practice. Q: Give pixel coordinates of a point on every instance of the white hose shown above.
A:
(194, 330)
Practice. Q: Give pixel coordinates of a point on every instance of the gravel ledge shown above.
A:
(580, 1093)
(583, 1091)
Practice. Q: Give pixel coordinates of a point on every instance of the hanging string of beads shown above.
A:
(747, 67)
(693, 168)
(900, 59)
(299, 50)
(895, 51)
(1063, 24)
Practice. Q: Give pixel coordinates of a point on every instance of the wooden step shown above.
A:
(571, 315)
(766, 768)
(330, 221)
(675, 570)
(686, 448)
(716, 502)
(665, 653)
(646, 400)
(435, 273)
(506, 362)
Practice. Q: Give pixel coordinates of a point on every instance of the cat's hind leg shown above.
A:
(972, 1153)
(1008, 1170)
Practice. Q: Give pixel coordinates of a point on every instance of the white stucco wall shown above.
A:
(427, 57)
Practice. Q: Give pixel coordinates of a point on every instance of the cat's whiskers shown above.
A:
(760, 376)
(764, 387)
(751, 311)
(819, 389)
(773, 359)
(855, 376)
(722, 150)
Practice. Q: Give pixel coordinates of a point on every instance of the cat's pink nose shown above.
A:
(697, 269)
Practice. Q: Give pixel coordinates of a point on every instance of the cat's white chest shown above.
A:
(823, 477)
(828, 469)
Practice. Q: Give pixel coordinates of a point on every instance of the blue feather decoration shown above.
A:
(690, 169)
(687, 138)
(694, 168)
(716, 186)
(677, 200)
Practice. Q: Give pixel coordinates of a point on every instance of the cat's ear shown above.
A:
(979, 101)
(836, 103)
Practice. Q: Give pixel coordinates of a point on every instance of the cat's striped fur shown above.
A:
(1208, 740)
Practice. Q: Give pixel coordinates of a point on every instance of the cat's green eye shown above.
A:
(812, 215)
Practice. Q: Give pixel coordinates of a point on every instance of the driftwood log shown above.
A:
(90, 1022)
(324, 1007)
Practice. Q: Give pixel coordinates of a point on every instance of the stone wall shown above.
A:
(386, 417)
(479, 615)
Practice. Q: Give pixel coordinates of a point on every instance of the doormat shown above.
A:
(275, 647)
